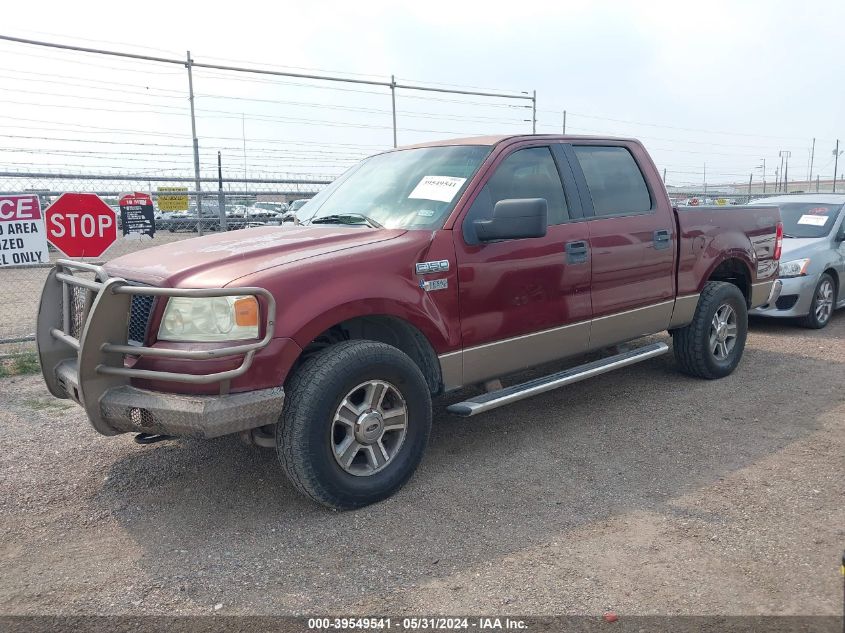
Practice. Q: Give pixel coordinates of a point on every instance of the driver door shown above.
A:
(524, 302)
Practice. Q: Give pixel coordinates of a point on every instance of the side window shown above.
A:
(527, 173)
(616, 183)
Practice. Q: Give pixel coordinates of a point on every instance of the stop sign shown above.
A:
(81, 225)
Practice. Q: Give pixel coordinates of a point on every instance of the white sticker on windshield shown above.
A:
(815, 220)
(439, 188)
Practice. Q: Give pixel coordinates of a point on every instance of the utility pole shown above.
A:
(393, 106)
(812, 158)
(705, 180)
(786, 172)
(564, 125)
(817, 183)
(780, 153)
(750, 178)
(534, 112)
(777, 179)
(243, 137)
(664, 175)
(836, 154)
(197, 183)
(763, 167)
(221, 197)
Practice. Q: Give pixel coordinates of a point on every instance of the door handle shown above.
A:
(661, 239)
(577, 252)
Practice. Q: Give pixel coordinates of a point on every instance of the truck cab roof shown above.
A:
(495, 139)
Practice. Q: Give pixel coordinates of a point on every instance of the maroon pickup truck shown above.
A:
(417, 272)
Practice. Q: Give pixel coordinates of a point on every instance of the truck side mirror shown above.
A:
(514, 219)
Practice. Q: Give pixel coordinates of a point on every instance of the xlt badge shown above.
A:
(434, 284)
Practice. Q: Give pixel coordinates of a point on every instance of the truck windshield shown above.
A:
(409, 189)
(808, 219)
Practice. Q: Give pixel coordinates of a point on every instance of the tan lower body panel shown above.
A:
(491, 360)
(760, 293)
(631, 324)
(684, 311)
(511, 355)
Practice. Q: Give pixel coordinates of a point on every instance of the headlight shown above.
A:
(209, 319)
(795, 268)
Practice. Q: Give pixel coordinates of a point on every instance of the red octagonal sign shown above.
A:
(81, 225)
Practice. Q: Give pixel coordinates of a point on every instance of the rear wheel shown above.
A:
(821, 308)
(355, 424)
(712, 345)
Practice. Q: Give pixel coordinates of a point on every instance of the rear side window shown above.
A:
(616, 183)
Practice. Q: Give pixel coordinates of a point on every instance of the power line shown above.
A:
(671, 127)
(111, 84)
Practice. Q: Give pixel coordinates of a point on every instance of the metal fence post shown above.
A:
(393, 103)
(188, 65)
(221, 197)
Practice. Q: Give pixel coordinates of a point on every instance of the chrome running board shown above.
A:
(496, 399)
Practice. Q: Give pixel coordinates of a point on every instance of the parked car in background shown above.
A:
(189, 220)
(418, 272)
(812, 269)
(163, 218)
(293, 211)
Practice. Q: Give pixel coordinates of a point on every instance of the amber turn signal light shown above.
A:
(246, 311)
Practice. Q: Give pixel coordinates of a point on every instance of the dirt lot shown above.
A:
(642, 491)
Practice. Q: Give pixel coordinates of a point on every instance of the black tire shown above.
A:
(812, 319)
(691, 344)
(304, 440)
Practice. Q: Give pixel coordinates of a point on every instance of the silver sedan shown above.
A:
(812, 264)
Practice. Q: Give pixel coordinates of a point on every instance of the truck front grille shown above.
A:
(139, 317)
(78, 313)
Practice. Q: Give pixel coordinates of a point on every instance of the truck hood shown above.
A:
(213, 261)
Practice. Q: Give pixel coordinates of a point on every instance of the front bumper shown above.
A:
(82, 341)
(796, 295)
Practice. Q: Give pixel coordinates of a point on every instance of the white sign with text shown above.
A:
(23, 238)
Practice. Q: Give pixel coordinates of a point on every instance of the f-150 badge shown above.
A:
(426, 268)
(434, 284)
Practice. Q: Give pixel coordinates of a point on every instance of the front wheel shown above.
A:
(355, 424)
(821, 308)
(712, 345)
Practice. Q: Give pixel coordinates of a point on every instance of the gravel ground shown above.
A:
(641, 491)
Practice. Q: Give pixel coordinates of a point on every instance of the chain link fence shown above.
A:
(692, 197)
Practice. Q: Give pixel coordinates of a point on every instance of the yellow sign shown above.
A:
(170, 202)
(721, 202)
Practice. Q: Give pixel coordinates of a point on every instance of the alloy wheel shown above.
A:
(369, 428)
(723, 332)
(823, 303)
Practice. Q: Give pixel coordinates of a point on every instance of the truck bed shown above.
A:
(706, 235)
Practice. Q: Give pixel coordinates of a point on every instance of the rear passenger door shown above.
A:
(632, 238)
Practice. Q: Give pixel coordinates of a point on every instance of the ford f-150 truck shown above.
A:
(418, 271)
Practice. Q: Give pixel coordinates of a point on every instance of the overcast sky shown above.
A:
(721, 83)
